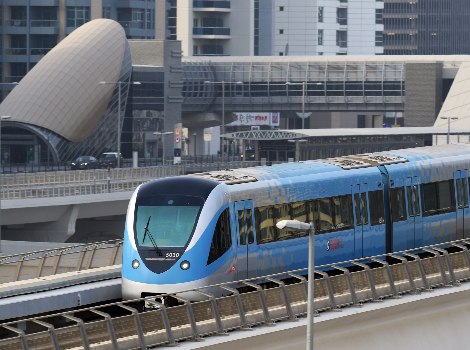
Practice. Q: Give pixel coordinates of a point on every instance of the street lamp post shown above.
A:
(296, 225)
(222, 126)
(303, 105)
(162, 134)
(3, 117)
(195, 148)
(119, 84)
(303, 116)
(448, 126)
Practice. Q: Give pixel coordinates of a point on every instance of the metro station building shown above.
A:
(96, 89)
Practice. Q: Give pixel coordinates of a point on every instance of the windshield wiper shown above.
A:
(147, 231)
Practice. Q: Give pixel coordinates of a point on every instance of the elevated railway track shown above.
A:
(273, 300)
(84, 182)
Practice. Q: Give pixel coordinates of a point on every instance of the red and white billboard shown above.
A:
(254, 118)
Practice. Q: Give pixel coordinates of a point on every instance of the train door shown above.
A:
(462, 210)
(413, 201)
(361, 214)
(246, 249)
(400, 226)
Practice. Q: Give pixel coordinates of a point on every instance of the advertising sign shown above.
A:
(256, 118)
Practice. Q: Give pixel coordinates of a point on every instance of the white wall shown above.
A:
(240, 20)
(184, 26)
(299, 23)
(241, 23)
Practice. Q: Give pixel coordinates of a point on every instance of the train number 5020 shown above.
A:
(172, 255)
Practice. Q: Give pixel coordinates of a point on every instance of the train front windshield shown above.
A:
(165, 221)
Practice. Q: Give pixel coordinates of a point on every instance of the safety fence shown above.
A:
(85, 182)
(244, 304)
(78, 257)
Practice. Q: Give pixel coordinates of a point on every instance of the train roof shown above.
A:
(276, 171)
(366, 160)
(432, 152)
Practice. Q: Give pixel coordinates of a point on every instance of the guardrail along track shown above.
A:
(84, 182)
(126, 325)
(79, 257)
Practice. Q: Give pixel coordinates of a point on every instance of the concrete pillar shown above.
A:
(54, 231)
(197, 143)
(256, 145)
(135, 159)
(96, 9)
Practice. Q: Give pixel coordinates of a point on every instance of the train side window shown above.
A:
(299, 211)
(315, 215)
(462, 193)
(413, 200)
(282, 212)
(241, 227)
(376, 205)
(343, 212)
(361, 208)
(222, 239)
(264, 225)
(249, 227)
(325, 213)
(446, 198)
(429, 198)
(438, 197)
(397, 204)
(465, 193)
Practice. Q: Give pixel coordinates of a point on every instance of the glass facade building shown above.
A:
(29, 30)
(426, 27)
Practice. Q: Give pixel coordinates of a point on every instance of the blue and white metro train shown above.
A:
(196, 230)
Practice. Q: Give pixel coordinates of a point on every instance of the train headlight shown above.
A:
(135, 264)
(185, 265)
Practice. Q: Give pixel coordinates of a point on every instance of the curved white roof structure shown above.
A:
(457, 102)
(63, 91)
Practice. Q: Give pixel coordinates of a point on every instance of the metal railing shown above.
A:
(49, 262)
(85, 182)
(276, 298)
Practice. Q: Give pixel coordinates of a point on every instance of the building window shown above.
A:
(281, 8)
(107, 12)
(361, 121)
(214, 49)
(320, 14)
(379, 38)
(341, 38)
(138, 17)
(379, 16)
(342, 16)
(281, 31)
(281, 53)
(320, 36)
(77, 15)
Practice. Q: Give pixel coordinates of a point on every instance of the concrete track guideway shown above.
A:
(278, 298)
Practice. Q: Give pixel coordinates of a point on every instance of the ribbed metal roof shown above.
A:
(62, 92)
